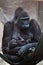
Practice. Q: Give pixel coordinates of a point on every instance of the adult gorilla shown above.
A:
(20, 39)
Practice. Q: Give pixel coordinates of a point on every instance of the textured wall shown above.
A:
(11, 5)
(1, 34)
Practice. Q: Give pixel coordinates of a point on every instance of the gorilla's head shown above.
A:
(18, 12)
(23, 21)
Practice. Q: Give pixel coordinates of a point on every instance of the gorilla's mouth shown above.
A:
(25, 26)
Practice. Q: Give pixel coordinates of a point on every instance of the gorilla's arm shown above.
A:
(35, 30)
(8, 44)
(6, 36)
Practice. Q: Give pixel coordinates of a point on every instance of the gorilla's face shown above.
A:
(24, 24)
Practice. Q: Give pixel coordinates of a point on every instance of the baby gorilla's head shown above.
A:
(12, 44)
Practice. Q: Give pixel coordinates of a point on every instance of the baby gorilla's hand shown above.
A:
(12, 44)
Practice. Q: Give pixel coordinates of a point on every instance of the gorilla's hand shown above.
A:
(28, 48)
(23, 50)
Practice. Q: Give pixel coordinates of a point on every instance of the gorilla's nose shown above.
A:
(26, 26)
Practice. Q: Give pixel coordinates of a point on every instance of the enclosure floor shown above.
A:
(2, 62)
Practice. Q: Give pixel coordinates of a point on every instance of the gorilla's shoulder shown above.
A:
(8, 24)
(35, 24)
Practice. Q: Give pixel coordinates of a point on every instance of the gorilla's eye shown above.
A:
(25, 22)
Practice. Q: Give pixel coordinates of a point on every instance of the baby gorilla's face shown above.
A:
(12, 44)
